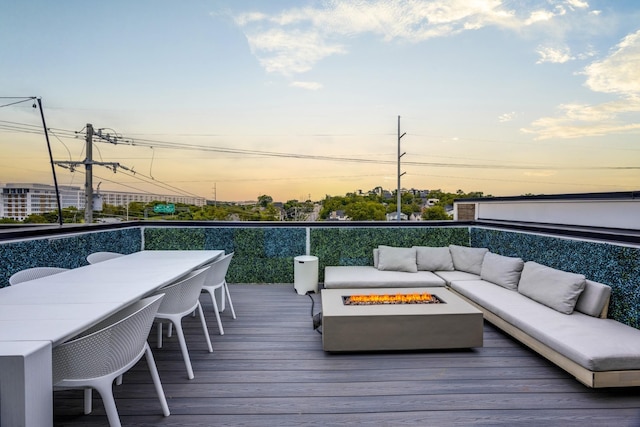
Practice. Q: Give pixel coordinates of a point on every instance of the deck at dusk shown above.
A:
(269, 369)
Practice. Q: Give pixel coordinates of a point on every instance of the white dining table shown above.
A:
(37, 315)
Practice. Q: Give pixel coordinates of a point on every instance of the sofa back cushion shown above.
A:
(554, 288)
(502, 270)
(397, 259)
(467, 259)
(594, 299)
(433, 259)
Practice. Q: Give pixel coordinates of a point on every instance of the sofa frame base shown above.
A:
(585, 376)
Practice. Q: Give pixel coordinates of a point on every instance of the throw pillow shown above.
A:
(467, 259)
(397, 259)
(502, 270)
(433, 259)
(593, 299)
(554, 288)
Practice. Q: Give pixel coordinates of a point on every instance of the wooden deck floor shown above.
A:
(269, 370)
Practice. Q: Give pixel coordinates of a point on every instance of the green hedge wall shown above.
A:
(265, 254)
(66, 252)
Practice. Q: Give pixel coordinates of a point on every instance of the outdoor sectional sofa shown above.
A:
(558, 314)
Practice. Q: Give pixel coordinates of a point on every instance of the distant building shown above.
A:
(19, 200)
(338, 215)
(123, 198)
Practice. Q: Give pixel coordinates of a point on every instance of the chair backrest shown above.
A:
(218, 271)
(34, 273)
(183, 295)
(108, 346)
(102, 256)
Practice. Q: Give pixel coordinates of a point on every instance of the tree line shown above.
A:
(358, 207)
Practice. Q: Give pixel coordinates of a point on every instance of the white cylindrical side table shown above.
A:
(305, 274)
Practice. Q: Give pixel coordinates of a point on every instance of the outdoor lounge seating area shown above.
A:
(554, 312)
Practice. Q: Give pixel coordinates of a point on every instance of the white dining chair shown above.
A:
(104, 352)
(181, 299)
(34, 273)
(216, 279)
(102, 256)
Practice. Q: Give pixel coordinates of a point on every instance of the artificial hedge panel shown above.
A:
(616, 266)
(354, 245)
(66, 252)
(261, 254)
(169, 238)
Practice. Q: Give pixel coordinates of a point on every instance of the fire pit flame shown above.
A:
(374, 299)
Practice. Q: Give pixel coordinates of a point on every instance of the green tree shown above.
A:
(264, 200)
(435, 213)
(35, 219)
(365, 211)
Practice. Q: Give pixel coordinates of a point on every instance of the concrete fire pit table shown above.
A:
(448, 325)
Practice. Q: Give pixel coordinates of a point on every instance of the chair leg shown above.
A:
(204, 328)
(183, 348)
(156, 380)
(106, 393)
(216, 311)
(88, 404)
(159, 335)
(233, 312)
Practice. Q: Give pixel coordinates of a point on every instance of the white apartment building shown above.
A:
(123, 198)
(19, 200)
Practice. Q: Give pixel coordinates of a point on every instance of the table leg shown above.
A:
(26, 389)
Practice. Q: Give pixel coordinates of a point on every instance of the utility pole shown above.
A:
(88, 176)
(398, 195)
(88, 165)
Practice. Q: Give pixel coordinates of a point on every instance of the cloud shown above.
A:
(555, 55)
(307, 85)
(294, 40)
(541, 173)
(617, 74)
(620, 71)
(506, 117)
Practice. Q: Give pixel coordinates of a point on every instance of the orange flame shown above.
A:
(416, 298)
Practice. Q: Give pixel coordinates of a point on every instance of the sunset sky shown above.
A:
(298, 99)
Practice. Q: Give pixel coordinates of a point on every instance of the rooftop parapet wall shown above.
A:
(66, 251)
(264, 253)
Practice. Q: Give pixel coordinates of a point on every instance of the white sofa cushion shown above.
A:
(433, 259)
(593, 299)
(397, 259)
(450, 276)
(370, 277)
(467, 259)
(554, 288)
(502, 270)
(594, 343)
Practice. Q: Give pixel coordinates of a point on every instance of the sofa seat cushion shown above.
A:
(594, 343)
(371, 277)
(450, 276)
